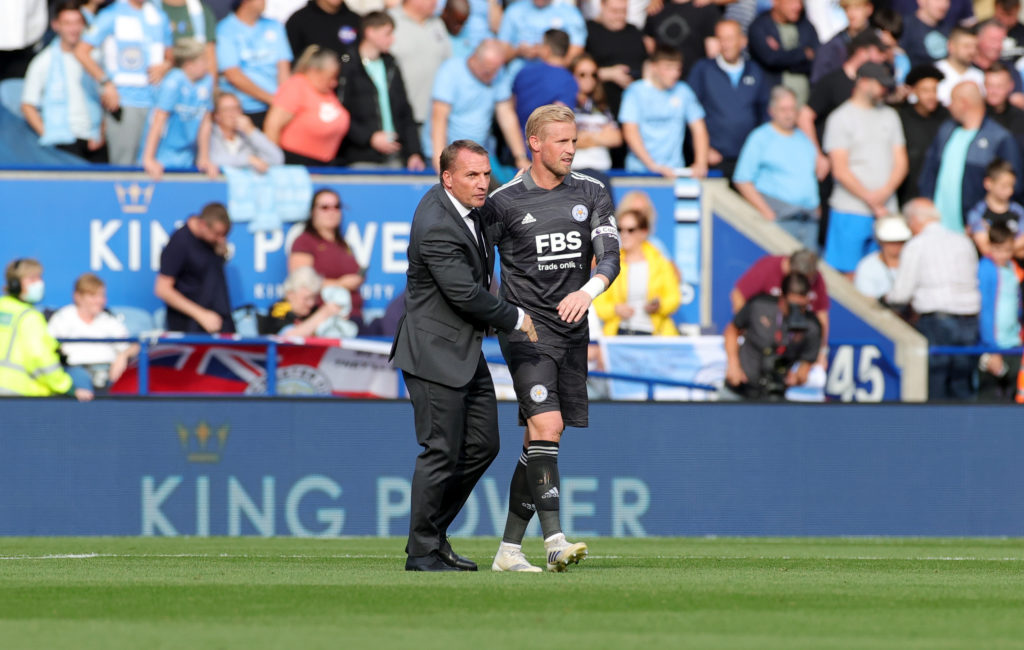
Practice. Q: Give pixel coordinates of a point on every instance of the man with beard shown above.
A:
(865, 144)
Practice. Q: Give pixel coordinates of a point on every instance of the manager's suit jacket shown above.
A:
(447, 306)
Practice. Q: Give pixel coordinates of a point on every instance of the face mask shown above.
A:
(34, 293)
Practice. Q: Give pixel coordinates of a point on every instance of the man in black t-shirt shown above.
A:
(327, 23)
(548, 224)
(921, 121)
(778, 332)
(684, 25)
(1007, 12)
(617, 48)
(191, 281)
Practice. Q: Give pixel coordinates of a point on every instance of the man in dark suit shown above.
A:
(438, 347)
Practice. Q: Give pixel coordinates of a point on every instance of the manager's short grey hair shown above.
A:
(303, 277)
(780, 91)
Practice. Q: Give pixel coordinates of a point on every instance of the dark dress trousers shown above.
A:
(438, 347)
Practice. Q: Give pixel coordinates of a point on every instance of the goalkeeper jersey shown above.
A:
(546, 240)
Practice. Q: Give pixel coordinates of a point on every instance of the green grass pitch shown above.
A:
(630, 593)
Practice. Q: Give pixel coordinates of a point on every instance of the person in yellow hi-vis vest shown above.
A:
(29, 363)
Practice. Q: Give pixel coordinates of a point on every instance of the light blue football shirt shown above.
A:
(525, 22)
(780, 166)
(131, 41)
(661, 116)
(256, 51)
(472, 101)
(186, 104)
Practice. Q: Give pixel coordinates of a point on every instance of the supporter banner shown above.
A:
(326, 468)
(116, 225)
(344, 368)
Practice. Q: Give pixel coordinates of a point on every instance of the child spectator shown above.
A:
(999, 279)
(178, 133)
(997, 208)
(87, 318)
(383, 130)
(194, 19)
(654, 115)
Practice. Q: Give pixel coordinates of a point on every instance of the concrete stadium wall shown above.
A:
(331, 467)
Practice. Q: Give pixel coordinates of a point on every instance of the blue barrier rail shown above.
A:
(273, 342)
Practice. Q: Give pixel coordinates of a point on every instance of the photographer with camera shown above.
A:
(778, 332)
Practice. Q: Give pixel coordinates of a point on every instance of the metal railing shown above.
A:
(272, 343)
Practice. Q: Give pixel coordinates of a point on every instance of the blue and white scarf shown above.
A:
(56, 107)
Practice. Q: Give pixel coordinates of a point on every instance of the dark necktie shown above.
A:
(474, 215)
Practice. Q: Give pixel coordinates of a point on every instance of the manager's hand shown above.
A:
(528, 328)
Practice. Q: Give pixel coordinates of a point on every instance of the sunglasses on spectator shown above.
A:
(329, 206)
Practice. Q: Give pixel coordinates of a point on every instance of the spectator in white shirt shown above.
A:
(938, 276)
(957, 66)
(87, 318)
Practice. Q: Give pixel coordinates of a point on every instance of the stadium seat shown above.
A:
(10, 94)
(135, 319)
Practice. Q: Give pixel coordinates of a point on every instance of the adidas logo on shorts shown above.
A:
(550, 494)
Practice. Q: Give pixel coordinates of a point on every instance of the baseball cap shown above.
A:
(892, 229)
(876, 71)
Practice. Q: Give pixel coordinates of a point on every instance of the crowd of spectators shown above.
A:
(831, 121)
(683, 83)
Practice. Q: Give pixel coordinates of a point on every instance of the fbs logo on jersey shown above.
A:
(539, 393)
(580, 212)
(528, 219)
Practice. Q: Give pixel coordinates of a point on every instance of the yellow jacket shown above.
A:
(29, 364)
(662, 283)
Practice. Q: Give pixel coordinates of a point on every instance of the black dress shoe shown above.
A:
(429, 562)
(453, 559)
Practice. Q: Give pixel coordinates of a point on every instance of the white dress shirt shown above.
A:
(464, 213)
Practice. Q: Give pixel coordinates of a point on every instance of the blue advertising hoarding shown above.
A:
(335, 467)
(116, 225)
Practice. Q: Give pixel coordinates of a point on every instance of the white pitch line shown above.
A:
(866, 558)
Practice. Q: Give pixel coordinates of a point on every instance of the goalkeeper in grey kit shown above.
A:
(548, 224)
